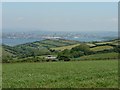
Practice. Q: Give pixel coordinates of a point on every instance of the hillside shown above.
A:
(55, 47)
(101, 48)
(49, 43)
(65, 47)
(37, 48)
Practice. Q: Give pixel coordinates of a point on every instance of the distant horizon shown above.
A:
(20, 31)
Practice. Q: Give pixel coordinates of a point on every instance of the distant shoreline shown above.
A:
(17, 41)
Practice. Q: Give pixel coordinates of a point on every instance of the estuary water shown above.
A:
(17, 41)
(102, 36)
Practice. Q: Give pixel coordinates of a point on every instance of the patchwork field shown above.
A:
(101, 48)
(113, 42)
(65, 47)
(61, 74)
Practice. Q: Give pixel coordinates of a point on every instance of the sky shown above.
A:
(60, 16)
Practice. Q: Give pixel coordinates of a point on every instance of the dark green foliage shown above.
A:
(65, 52)
(7, 59)
(83, 49)
(26, 51)
(75, 52)
(117, 48)
(64, 58)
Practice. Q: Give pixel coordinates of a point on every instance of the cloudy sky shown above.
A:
(60, 16)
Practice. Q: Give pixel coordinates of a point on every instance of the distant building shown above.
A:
(51, 58)
(52, 37)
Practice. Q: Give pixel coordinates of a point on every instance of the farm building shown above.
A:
(51, 58)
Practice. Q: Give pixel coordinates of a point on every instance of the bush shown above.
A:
(77, 51)
(62, 57)
(6, 59)
(81, 47)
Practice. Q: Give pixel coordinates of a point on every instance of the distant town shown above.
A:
(54, 35)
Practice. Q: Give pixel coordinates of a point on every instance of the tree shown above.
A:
(62, 57)
(76, 54)
(81, 48)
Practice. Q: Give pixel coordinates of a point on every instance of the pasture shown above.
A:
(77, 74)
(100, 56)
(0, 75)
(101, 48)
(65, 47)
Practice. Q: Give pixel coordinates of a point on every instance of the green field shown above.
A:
(61, 74)
(113, 42)
(65, 47)
(101, 56)
(90, 44)
(101, 48)
(0, 75)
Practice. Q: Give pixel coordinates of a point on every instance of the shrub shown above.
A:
(62, 57)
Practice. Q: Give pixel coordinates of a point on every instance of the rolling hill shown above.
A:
(53, 47)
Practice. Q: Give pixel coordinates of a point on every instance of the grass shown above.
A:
(90, 44)
(0, 51)
(111, 55)
(114, 42)
(101, 48)
(65, 47)
(103, 43)
(57, 43)
(0, 75)
(61, 74)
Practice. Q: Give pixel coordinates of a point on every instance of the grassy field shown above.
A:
(65, 47)
(112, 55)
(0, 67)
(0, 52)
(114, 42)
(101, 48)
(61, 74)
(90, 44)
(55, 43)
(0, 75)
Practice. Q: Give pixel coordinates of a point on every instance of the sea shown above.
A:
(17, 41)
